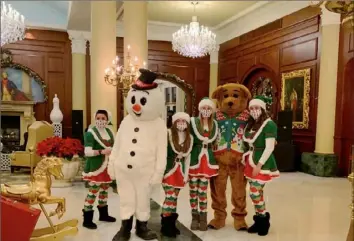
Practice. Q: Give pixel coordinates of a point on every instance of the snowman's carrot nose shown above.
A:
(136, 108)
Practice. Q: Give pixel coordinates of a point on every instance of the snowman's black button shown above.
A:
(130, 166)
(134, 141)
(132, 153)
(136, 129)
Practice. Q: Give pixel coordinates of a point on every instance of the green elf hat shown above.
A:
(261, 101)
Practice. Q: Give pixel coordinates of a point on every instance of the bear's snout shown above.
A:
(230, 103)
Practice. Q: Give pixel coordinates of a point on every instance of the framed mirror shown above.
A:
(179, 95)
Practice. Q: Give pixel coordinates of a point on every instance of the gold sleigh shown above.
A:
(38, 191)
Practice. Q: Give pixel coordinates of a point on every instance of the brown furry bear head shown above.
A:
(232, 98)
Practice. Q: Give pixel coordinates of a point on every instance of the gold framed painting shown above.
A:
(295, 96)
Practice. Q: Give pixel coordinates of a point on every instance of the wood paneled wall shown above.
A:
(161, 58)
(290, 43)
(48, 53)
(344, 131)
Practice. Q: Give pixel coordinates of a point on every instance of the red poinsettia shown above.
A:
(56, 146)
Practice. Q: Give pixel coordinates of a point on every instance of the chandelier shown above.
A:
(346, 8)
(194, 40)
(123, 76)
(12, 25)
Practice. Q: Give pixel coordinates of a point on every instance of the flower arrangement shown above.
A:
(65, 148)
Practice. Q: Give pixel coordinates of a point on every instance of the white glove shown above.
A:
(156, 179)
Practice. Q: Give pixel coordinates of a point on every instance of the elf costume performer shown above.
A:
(203, 165)
(260, 165)
(98, 144)
(180, 143)
(139, 155)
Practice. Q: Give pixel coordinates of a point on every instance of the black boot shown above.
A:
(124, 232)
(88, 216)
(254, 227)
(143, 232)
(104, 214)
(167, 227)
(175, 217)
(264, 225)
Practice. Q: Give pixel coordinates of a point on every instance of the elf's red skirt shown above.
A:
(103, 177)
(203, 170)
(260, 177)
(175, 180)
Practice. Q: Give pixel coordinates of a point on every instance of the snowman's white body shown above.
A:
(138, 158)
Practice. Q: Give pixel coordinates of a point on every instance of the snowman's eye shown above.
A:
(143, 101)
(133, 100)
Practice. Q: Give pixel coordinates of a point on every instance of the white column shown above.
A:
(103, 52)
(78, 51)
(327, 82)
(214, 65)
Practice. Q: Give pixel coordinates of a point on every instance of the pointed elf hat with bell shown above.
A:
(261, 101)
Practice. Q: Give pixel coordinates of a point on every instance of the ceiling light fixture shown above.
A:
(12, 25)
(193, 40)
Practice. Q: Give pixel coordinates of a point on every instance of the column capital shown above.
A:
(78, 41)
(214, 57)
(328, 17)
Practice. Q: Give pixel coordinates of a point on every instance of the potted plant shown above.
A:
(70, 150)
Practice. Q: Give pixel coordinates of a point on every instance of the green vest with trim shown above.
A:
(269, 130)
(95, 162)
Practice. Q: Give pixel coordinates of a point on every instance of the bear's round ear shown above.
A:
(217, 93)
(246, 92)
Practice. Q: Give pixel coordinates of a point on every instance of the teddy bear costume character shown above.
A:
(203, 165)
(232, 117)
(138, 158)
(180, 143)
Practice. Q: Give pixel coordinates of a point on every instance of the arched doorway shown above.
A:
(260, 80)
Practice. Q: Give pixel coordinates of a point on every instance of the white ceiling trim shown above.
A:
(69, 11)
(242, 13)
(44, 26)
(267, 14)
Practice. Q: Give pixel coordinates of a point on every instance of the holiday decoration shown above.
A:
(56, 116)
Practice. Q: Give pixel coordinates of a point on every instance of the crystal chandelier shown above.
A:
(123, 76)
(194, 40)
(341, 7)
(12, 25)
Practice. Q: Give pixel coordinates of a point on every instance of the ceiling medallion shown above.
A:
(193, 40)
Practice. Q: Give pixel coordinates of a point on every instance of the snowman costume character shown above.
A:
(139, 154)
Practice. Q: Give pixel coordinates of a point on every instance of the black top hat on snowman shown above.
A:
(145, 80)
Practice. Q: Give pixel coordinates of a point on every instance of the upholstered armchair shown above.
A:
(37, 132)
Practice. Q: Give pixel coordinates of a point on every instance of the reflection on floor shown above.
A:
(302, 207)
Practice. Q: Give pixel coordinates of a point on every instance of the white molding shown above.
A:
(44, 26)
(241, 14)
(329, 18)
(68, 14)
(78, 41)
(270, 12)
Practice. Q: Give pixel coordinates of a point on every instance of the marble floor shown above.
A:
(302, 207)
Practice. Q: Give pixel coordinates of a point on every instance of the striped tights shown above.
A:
(198, 187)
(256, 193)
(170, 203)
(94, 190)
